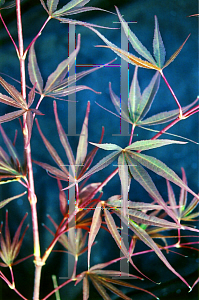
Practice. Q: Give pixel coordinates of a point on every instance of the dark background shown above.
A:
(51, 48)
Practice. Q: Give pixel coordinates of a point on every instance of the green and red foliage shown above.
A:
(85, 213)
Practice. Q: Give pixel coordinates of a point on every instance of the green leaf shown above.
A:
(141, 175)
(148, 96)
(107, 146)
(56, 78)
(151, 144)
(116, 203)
(175, 54)
(52, 5)
(137, 45)
(158, 46)
(103, 163)
(124, 179)
(143, 235)
(161, 169)
(33, 70)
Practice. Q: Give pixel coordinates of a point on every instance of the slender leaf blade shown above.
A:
(124, 179)
(95, 226)
(6, 201)
(158, 46)
(175, 54)
(83, 140)
(161, 169)
(137, 45)
(52, 5)
(64, 140)
(151, 144)
(33, 70)
(148, 96)
(142, 176)
(58, 75)
(107, 146)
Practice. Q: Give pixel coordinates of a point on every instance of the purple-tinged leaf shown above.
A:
(33, 70)
(112, 288)
(13, 93)
(103, 163)
(142, 176)
(175, 54)
(158, 46)
(99, 287)
(58, 75)
(172, 199)
(83, 141)
(113, 273)
(31, 95)
(29, 122)
(137, 45)
(143, 235)
(64, 140)
(119, 105)
(52, 151)
(58, 174)
(9, 101)
(90, 157)
(65, 91)
(124, 179)
(126, 284)
(10, 146)
(52, 5)
(6, 201)
(71, 4)
(151, 144)
(107, 146)
(63, 203)
(11, 116)
(95, 226)
(114, 232)
(85, 24)
(85, 288)
(161, 169)
(183, 193)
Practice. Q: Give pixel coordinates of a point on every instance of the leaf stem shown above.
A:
(8, 32)
(38, 34)
(173, 94)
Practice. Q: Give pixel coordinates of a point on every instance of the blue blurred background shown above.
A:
(51, 48)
